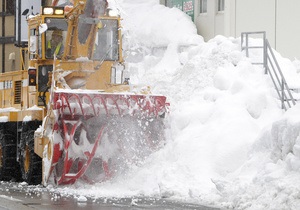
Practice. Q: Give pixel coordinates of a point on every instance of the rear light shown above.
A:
(32, 77)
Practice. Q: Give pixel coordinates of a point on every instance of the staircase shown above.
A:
(270, 65)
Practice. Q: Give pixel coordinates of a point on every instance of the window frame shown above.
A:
(109, 29)
(221, 5)
(10, 7)
(202, 6)
(63, 27)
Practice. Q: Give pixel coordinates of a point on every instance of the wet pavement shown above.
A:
(22, 197)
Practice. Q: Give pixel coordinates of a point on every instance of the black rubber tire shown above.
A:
(9, 168)
(30, 163)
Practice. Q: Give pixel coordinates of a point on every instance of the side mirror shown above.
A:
(25, 12)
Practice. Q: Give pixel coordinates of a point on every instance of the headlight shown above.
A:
(53, 11)
(59, 11)
(47, 10)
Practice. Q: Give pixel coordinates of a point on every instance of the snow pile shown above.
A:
(147, 20)
(269, 179)
(229, 143)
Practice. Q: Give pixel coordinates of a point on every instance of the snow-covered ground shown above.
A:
(229, 143)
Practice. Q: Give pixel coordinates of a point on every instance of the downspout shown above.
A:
(276, 4)
(20, 43)
(19, 23)
(3, 36)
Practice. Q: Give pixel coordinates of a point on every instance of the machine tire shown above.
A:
(31, 163)
(9, 168)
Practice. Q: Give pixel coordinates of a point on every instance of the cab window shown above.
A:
(55, 37)
(107, 41)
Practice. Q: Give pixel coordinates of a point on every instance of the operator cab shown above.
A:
(48, 36)
(55, 37)
(47, 33)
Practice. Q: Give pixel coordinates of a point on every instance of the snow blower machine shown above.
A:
(72, 114)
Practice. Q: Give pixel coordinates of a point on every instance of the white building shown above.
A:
(279, 18)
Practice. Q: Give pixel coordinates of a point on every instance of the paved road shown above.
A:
(16, 196)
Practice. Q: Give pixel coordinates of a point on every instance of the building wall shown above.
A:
(279, 18)
(288, 28)
(238, 16)
(9, 54)
(219, 20)
(10, 26)
(256, 15)
(205, 22)
(10, 57)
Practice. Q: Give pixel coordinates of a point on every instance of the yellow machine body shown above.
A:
(66, 91)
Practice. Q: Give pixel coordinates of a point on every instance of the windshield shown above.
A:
(107, 42)
(55, 37)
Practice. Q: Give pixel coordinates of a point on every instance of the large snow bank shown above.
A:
(269, 179)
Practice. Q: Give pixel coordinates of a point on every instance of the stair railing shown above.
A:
(271, 67)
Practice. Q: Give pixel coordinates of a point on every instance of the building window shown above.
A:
(203, 6)
(10, 7)
(221, 5)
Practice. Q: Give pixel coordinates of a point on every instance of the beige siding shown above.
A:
(288, 28)
(10, 49)
(211, 23)
(256, 15)
(0, 26)
(205, 22)
(219, 23)
(12, 65)
(0, 58)
(9, 26)
(279, 18)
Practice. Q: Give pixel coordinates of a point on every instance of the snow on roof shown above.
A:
(3, 119)
(9, 109)
(35, 108)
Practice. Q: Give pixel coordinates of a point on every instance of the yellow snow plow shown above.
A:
(72, 114)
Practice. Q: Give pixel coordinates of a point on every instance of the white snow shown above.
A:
(22, 184)
(27, 118)
(229, 144)
(9, 109)
(3, 119)
(82, 199)
(35, 107)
